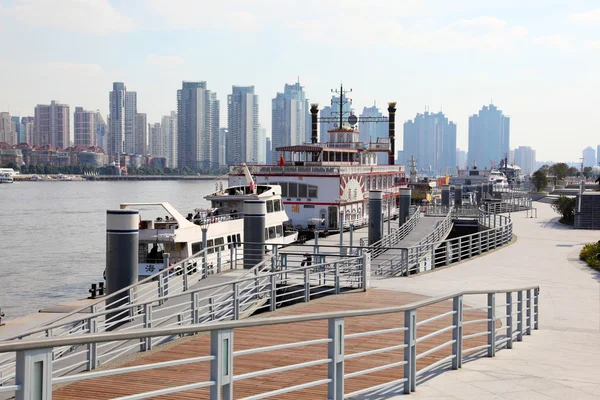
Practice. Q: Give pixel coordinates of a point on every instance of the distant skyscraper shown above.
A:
(52, 125)
(84, 124)
(269, 152)
(371, 131)
(141, 134)
(289, 116)
(525, 158)
(589, 157)
(242, 119)
(489, 137)
(170, 132)
(262, 138)
(461, 159)
(26, 133)
(122, 120)
(431, 140)
(101, 132)
(333, 111)
(223, 133)
(198, 126)
(8, 132)
(598, 155)
(156, 141)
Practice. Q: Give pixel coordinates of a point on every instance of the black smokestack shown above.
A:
(314, 111)
(392, 132)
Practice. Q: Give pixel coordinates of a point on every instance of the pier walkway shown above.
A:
(563, 359)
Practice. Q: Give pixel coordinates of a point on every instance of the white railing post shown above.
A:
(520, 309)
(161, 288)
(219, 262)
(211, 309)
(195, 308)
(92, 348)
(336, 280)
(449, 251)
(536, 314)
(410, 351)
(185, 277)
(366, 271)
(221, 366)
(335, 352)
(236, 301)
(528, 331)
(273, 292)
(307, 285)
(457, 332)
(33, 372)
(491, 314)
(232, 261)
(509, 321)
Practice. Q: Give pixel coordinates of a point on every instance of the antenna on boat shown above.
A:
(343, 101)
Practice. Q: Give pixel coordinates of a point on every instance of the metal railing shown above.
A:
(395, 237)
(273, 283)
(456, 325)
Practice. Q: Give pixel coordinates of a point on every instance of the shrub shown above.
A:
(590, 254)
(565, 206)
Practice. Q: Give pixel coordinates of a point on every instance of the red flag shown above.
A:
(281, 161)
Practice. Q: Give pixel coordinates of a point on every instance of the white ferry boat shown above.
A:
(181, 236)
(473, 176)
(322, 181)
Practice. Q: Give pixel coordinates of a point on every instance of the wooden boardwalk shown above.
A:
(245, 338)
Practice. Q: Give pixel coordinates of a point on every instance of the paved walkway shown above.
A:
(562, 359)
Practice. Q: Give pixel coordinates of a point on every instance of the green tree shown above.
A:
(565, 206)
(539, 180)
(559, 170)
(572, 171)
(587, 172)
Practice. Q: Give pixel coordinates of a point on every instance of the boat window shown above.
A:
(209, 247)
(279, 230)
(219, 242)
(312, 191)
(284, 188)
(269, 206)
(272, 232)
(293, 189)
(239, 240)
(309, 206)
(229, 241)
(302, 191)
(196, 247)
(277, 205)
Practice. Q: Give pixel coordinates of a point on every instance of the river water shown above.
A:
(53, 235)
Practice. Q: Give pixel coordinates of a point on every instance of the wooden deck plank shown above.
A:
(245, 338)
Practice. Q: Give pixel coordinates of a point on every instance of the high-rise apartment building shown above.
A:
(101, 132)
(290, 110)
(525, 159)
(431, 139)
(141, 134)
(242, 123)
(589, 157)
(262, 138)
(170, 134)
(8, 133)
(121, 120)
(269, 152)
(333, 111)
(489, 137)
(197, 126)
(27, 127)
(156, 141)
(461, 159)
(52, 125)
(371, 131)
(84, 124)
(223, 133)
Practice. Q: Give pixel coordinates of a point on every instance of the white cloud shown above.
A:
(84, 16)
(588, 16)
(556, 41)
(169, 61)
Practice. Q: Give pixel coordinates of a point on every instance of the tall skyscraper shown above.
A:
(170, 134)
(333, 111)
(242, 121)
(156, 141)
(197, 126)
(371, 131)
(84, 124)
(269, 152)
(52, 125)
(289, 116)
(101, 132)
(431, 140)
(525, 158)
(489, 137)
(223, 133)
(141, 134)
(589, 157)
(262, 138)
(122, 120)
(27, 127)
(461, 159)
(8, 133)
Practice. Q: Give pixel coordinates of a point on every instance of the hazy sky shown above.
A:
(537, 60)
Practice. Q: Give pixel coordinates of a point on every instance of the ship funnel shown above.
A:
(392, 132)
(314, 111)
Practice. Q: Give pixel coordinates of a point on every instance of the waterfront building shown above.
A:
(197, 127)
(431, 139)
(589, 157)
(11, 156)
(52, 125)
(141, 134)
(121, 120)
(525, 158)
(461, 159)
(290, 110)
(8, 133)
(242, 123)
(101, 132)
(489, 137)
(84, 124)
(223, 133)
(157, 143)
(170, 132)
(371, 131)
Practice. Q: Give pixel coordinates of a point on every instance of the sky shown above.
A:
(537, 60)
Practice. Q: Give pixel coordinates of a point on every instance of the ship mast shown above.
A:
(342, 102)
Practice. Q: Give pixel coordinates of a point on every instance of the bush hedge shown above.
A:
(591, 255)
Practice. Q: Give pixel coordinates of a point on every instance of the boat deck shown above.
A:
(127, 384)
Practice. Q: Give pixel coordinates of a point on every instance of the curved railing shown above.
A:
(477, 330)
(397, 235)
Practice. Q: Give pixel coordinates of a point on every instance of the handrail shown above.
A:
(246, 323)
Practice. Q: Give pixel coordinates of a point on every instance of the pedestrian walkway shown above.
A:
(563, 358)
